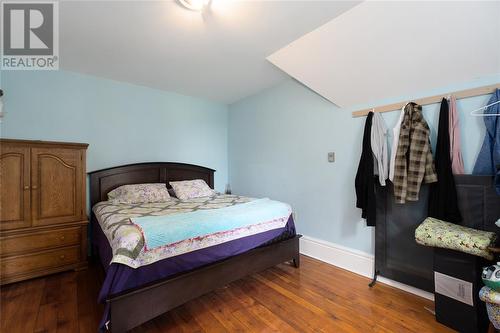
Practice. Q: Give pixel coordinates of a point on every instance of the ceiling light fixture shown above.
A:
(196, 5)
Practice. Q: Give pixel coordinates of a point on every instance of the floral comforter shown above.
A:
(126, 239)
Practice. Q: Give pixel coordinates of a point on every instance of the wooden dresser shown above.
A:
(43, 224)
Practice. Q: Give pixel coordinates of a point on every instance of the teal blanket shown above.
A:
(169, 229)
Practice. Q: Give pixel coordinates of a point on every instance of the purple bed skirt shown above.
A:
(120, 278)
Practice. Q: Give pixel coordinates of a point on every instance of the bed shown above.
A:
(135, 293)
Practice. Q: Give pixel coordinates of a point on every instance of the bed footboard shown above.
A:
(137, 306)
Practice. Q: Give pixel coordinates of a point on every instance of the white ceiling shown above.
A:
(219, 55)
(379, 50)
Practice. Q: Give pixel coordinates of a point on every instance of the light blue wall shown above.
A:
(278, 145)
(278, 139)
(123, 123)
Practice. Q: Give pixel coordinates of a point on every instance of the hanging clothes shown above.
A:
(457, 162)
(379, 147)
(443, 202)
(413, 164)
(489, 155)
(365, 181)
(395, 141)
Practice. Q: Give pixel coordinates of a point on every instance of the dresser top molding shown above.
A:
(46, 143)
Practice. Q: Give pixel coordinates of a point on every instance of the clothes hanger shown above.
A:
(409, 102)
(475, 114)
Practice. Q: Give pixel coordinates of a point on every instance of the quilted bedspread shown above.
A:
(127, 241)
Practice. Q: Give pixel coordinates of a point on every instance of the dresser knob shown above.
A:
(26, 187)
(34, 187)
(61, 238)
(62, 256)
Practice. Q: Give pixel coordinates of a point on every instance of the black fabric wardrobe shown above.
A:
(398, 256)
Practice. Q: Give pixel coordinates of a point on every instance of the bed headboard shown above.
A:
(105, 180)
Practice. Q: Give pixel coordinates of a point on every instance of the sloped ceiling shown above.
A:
(379, 50)
(219, 54)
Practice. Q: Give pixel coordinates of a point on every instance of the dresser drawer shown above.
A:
(35, 241)
(40, 261)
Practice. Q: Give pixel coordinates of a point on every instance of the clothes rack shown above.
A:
(478, 91)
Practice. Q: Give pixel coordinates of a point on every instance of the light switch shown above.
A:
(331, 157)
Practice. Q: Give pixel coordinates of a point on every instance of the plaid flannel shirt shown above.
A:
(414, 162)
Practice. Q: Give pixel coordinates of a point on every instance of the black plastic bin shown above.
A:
(451, 312)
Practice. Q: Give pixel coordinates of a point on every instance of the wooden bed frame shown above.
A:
(136, 306)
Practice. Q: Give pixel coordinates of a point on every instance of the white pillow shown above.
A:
(139, 193)
(189, 189)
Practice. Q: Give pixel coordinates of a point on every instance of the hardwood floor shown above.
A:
(315, 298)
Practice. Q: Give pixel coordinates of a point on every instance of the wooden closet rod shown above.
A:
(484, 90)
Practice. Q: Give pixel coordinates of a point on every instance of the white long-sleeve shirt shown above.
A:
(379, 147)
(395, 141)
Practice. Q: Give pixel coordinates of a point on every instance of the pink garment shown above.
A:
(457, 162)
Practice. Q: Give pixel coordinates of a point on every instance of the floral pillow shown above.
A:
(189, 189)
(139, 193)
(437, 233)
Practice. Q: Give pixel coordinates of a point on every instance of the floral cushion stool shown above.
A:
(492, 300)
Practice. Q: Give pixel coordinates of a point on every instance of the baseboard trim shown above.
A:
(353, 260)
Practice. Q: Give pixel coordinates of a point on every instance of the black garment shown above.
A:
(497, 180)
(365, 181)
(443, 203)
